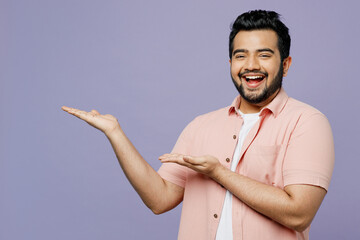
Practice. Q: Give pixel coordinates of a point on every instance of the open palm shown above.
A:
(105, 123)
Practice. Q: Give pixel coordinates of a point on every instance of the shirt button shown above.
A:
(215, 215)
(234, 137)
(227, 159)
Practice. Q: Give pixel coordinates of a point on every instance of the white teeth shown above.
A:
(253, 77)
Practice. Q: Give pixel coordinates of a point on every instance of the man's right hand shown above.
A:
(158, 194)
(105, 123)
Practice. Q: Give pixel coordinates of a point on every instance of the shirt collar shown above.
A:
(274, 107)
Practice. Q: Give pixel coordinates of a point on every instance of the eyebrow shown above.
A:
(258, 50)
(265, 50)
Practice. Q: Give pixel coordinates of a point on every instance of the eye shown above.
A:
(239, 56)
(265, 55)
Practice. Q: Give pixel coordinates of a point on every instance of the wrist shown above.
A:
(218, 172)
(111, 133)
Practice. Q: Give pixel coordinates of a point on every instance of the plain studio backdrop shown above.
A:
(155, 65)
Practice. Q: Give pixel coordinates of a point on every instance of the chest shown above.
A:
(262, 153)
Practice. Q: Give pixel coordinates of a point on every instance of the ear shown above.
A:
(286, 65)
(230, 61)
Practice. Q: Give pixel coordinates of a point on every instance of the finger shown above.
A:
(180, 161)
(109, 116)
(65, 108)
(170, 155)
(190, 159)
(165, 155)
(83, 115)
(193, 160)
(173, 158)
(69, 109)
(95, 112)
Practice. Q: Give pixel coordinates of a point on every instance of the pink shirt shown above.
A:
(291, 143)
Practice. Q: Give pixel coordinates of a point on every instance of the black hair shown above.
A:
(261, 20)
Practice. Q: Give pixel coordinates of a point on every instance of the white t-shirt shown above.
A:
(224, 231)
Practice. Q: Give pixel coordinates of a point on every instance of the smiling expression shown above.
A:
(256, 67)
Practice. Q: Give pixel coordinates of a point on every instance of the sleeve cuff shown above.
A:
(306, 177)
(173, 173)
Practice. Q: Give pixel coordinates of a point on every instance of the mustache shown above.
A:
(253, 71)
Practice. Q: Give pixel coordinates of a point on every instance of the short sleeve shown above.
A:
(173, 172)
(310, 153)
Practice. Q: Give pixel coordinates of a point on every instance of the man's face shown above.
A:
(256, 67)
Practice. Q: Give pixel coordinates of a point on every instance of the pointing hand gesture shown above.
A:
(105, 123)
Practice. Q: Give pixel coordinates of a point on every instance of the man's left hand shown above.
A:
(203, 164)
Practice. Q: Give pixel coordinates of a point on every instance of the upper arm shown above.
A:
(174, 175)
(308, 167)
(310, 153)
(306, 200)
(172, 196)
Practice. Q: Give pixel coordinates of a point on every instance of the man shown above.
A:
(258, 169)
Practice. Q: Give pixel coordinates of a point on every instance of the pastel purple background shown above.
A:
(155, 65)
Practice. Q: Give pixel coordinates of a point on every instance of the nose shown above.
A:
(252, 63)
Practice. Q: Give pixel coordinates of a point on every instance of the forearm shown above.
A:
(152, 189)
(294, 206)
(158, 194)
(275, 203)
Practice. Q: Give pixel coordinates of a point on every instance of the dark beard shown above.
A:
(266, 93)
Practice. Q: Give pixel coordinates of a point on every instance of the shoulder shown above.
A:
(299, 106)
(212, 117)
(300, 109)
(304, 115)
(211, 120)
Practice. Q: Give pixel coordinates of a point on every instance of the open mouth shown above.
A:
(253, 80)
